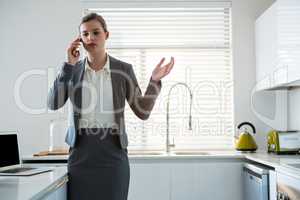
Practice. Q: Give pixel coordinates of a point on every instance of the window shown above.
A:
(200, 41)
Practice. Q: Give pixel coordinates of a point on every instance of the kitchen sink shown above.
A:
(191, 153)
(172, 153)
(145, 153)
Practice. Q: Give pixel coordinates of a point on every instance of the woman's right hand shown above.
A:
(73, 53)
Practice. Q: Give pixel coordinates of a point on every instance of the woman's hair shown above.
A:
(94, 16)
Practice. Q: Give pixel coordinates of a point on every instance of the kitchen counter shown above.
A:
(260, 157)
(35, 187)
(279, 162)
(273, 160)
(32, 187)
(150, 156)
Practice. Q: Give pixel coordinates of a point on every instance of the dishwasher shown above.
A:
(255, 182)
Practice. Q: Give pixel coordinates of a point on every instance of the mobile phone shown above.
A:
(76, 52)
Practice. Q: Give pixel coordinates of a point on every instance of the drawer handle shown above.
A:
(64, 181)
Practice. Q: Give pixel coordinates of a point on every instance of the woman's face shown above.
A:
(93, 36)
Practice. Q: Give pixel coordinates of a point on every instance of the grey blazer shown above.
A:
(68, 85)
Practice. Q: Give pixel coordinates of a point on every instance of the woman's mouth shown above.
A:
(92, 45)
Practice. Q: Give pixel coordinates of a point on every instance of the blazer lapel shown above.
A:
(115, 79)
(78, 88)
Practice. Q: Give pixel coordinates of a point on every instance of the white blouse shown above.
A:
(97, 109)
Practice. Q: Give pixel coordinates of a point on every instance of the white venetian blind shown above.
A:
(200, 41)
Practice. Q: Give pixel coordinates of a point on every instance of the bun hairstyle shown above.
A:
(94, 16)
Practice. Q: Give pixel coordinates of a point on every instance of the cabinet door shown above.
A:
(272, 185)
(289, 36)
(149, 181)
(58, 194)
(266, 47)
(288, 187)
(185, 183)
(206, 180)
(277, 44)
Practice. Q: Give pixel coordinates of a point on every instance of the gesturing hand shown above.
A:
(161, 71)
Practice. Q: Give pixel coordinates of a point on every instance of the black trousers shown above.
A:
(98, 167)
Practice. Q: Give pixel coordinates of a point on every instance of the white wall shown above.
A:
(34, 35)
(244, 13)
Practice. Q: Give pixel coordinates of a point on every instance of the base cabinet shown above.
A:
(206, 180)
(272, 185)
(59, 191)
(288, 187)
(187, 179)
(149, 181)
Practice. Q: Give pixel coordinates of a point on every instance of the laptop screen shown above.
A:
(9, 150)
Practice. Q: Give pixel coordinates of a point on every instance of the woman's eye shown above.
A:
(96, 33)
(85, 34)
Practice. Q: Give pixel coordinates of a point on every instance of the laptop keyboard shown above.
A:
(17, 170)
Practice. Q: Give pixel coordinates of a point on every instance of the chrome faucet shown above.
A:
(168, 144)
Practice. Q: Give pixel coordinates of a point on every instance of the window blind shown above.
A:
(200, 41)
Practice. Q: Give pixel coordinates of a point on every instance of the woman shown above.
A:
(97, 88)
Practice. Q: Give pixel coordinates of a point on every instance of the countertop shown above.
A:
(152, 156)
(31, 187)
(270, 159)
(278, 162)
(37, 186)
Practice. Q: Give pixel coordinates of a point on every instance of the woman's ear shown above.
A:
(107, 35)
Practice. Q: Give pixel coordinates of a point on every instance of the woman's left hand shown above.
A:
(161, 71)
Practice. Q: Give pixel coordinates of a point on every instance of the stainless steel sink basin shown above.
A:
(157, 153)
(192, 153)
(145, 153)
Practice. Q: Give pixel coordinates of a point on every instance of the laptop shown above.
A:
(10, 162)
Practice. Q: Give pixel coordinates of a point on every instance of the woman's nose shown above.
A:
(91, 37)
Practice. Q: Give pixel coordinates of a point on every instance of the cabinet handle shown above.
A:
(286, 197)
(279, 196)
(54, 187)
(64, 181)
(282, 196)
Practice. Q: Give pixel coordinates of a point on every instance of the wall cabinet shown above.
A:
(277, 41)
